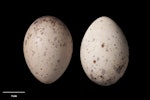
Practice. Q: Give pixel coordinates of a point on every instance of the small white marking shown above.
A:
(14, 96)
(13, 92)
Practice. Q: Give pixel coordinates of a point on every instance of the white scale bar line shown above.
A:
(13, 92)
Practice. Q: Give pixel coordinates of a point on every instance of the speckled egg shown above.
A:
(104, 52)
(47, 48)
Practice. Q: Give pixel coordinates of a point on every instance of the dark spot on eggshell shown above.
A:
(55, 69)
(92, 77)
(58, 61)
(106, 60)
(91, 70)
(102, 45)
(33, 52)
(60, 45)
(36, 73)
(25, 42)
(107, 50)
(44, 53)
(35, 22)
(41, 69)
(97, 58)
(94, 61)
(123, 58)
(117, 32)
(64, 44)
(53, 21)
(118, 69)
(103, 71)
(109, 81)
(42, 33)
(93, 40)
(30, 35)
(55, 46)
(101, 76)
(53, 56)
(55, 38)
(45, 20)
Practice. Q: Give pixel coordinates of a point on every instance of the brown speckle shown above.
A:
(42, 33)
(92, 77)
(55, 38)
(117, 32)
(36, 73)
(33, 52)
(30, 35)
(91, 70)
(41, 69)
(94, 61)
(58, 61)
(107, 50)
(101, 76)
(53, 56)
(122, 58)
(106, 60)
(35, 22)
(64, 44)
(53, 29)
(55, 69)
(93, 40)
(118, 70)
(114, 44)
(60, 44)
(103, 71)
(53, 22)
(102, 45)
(45, 20)
(25, 42)
(97, 58)
(44, 54)
(55, 46)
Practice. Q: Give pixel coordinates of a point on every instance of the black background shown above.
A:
(15, 75)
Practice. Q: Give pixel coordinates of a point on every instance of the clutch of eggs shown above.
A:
(104, 52)
(47, 48)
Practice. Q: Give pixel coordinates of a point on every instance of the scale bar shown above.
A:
(13, 92)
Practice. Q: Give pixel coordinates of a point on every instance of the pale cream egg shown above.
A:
(104, 52)
(47, 48)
